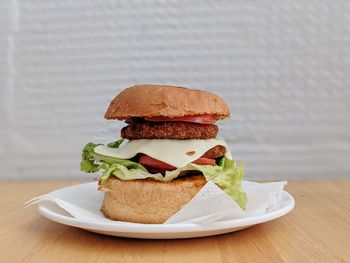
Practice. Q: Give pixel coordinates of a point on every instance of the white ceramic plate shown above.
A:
(164, 231)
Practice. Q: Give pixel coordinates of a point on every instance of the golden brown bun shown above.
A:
(148, 201)
(167, 101)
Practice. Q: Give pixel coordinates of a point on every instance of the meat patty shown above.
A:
(215, 152)
(169, 130)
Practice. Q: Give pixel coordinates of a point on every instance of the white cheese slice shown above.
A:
(177, 153)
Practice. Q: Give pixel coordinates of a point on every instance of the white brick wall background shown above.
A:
(283, 66)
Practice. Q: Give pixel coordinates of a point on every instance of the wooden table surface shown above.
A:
(317, 230)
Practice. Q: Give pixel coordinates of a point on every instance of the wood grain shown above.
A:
(317, 230)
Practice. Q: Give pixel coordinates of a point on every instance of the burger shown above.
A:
(167, 152)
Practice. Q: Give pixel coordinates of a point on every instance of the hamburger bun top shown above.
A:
(166, 101)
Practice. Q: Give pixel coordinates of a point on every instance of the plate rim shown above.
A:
(128, 227)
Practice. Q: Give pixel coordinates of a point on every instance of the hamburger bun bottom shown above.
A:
(148, 201)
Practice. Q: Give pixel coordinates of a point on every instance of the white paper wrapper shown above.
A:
(211, 204)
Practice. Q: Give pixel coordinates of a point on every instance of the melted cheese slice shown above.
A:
(177, 153)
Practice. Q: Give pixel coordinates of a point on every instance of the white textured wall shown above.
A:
(283, 66)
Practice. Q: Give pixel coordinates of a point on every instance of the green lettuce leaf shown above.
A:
(88, 163)
(92, 162)
(115, 144)
(227, 175)
(123, 173)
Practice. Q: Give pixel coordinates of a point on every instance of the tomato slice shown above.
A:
(154, 163)
(205, 161)
(203, 119)
(151, 162)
